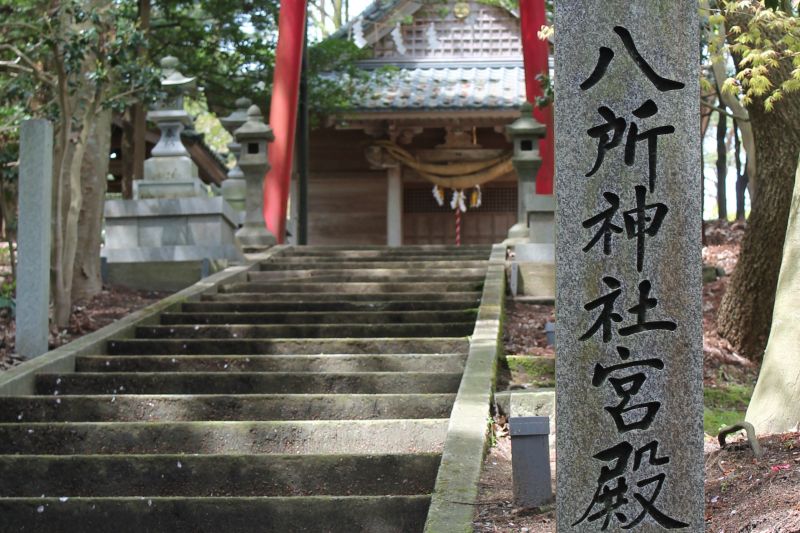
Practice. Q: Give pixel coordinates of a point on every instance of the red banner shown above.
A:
(535, 53)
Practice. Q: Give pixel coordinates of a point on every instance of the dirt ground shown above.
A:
(743, 494)
(111, 304)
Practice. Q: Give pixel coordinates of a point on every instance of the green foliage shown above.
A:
(79, 47)
(228, 44)
(329, 93)
(7, 290)
(764, 37)
(205, 122)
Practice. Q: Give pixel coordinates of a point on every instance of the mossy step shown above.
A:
(331, 514)
(534, 365)
(274, 363)
(335, 317)
(468, 305)
(247, 383)
(367, 437)
(217, 475)
(376, 298)
(306, 263)
(310, 287)
(406, 274)
(255, 407)
(287, 346)
(304, 331)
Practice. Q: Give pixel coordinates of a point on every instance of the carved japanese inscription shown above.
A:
(628, 324)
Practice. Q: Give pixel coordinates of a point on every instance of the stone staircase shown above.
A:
(315, 396)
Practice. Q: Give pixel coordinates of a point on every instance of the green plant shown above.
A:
(7, 301)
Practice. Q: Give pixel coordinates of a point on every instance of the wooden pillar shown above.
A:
(394, 206)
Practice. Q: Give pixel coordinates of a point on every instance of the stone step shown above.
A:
(353, 288)
(339, 514)
(294, 437)
(304, 331)
(232, 305)
(246, 383)
(217, 475)
(298, 263)
(255, 407)
(256, 277)
(286, 346)
(376, 298)
(483, 251)
(396, 274)
(420, 247)
(274, 363)
(340, 317)
(381, 257)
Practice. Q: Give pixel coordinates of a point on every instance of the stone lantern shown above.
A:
(170, 171)
(234, 188)
(253, 137)
(525, 134)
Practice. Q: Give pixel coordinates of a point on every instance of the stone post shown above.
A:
(234, 189)
(394, 205)
(629, 361)
(33, 237)
(253, 137)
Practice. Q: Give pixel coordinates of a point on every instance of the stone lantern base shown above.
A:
(533, 266)
(168, 244)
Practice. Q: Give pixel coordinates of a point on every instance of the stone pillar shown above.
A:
(234, 189)
(629, 362)
(394, 206)
(254, 136)
(33, 237)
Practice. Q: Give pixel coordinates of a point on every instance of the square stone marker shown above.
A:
(35, 199)
(629, 323)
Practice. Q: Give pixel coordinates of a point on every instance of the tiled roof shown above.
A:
(374, 13)
(446, 88)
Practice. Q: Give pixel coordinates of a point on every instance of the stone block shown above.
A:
(175, 168)
(167, 241)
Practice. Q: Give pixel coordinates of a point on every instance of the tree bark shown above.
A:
(722, 164)
(86, 279)
(746, 310)
(773, 408)
(126, 155)
(741, 173)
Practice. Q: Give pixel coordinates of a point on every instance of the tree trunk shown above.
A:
(126, 154)
(86, 279)
(741, 173)
(746, 310)
(722, 164)
(773, 408)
